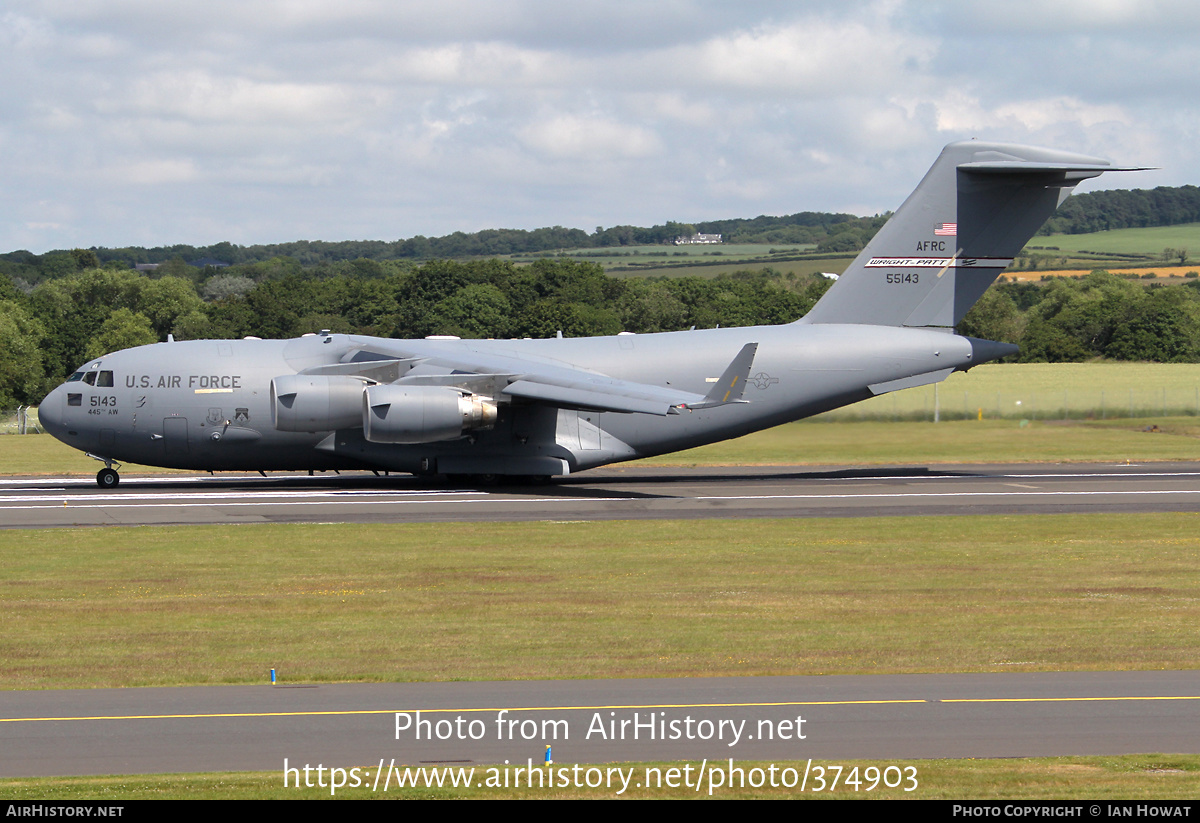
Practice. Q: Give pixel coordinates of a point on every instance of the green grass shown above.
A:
(1129, 777)
(197, 605)
(1126, 241)
(706, 261)
(41, 454)
(1044, 391)
(962, 441)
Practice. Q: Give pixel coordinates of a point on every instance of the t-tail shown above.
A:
(971, 215)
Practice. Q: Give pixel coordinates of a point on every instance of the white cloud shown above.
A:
(292, 118)
(589, 139)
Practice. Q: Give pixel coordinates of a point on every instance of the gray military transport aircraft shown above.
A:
(539, 408)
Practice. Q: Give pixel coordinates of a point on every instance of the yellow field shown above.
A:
(1160, 271)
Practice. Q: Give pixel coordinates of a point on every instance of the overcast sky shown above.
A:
(131, 122)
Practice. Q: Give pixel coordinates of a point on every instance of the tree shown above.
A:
(994, 317)
(124, 329)
(22, 374)
(85, 259)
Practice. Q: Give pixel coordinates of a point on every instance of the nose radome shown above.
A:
(50, 413)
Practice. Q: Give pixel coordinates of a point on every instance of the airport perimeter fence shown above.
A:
(21, 420)
(935, 403)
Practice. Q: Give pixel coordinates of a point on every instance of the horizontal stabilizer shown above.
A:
(731, 384)
(910, 382)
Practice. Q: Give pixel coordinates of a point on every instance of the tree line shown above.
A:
(828, 232)
(1125, 209)
(55, 327)
(61, 323)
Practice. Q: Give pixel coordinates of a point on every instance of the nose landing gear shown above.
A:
(107, 477)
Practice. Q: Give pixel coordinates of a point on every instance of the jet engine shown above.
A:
(423, 414)
(316, 403)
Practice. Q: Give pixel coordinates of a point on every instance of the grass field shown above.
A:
(209, 605)
(1150, 240)
(1121, 250)
(1142, 777)
(1161, 273)
(964, 441)
(1044, 391)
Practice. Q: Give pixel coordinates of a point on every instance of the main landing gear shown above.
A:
(107, 477)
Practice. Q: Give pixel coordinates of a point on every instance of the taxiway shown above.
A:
(891, 719)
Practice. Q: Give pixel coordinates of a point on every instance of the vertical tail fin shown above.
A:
(971, 214)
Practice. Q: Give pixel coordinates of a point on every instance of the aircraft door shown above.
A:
(175, 436)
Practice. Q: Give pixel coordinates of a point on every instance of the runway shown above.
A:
(608, 494)
(891, 720)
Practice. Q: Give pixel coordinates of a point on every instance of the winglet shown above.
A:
(731, 384)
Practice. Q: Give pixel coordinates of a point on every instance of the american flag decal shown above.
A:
(945, 229)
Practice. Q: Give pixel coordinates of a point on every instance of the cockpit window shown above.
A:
(76, 377)
(105, 380)
(90, 378)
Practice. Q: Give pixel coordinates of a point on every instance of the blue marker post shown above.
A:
(272, 677)
(549, 759)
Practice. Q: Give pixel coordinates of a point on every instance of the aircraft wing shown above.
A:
(558, 384)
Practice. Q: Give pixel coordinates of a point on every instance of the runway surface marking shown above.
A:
(59, 483)
(515, 709)
(510, 709)
(221, 495)
(1060, 699)
(346, 498)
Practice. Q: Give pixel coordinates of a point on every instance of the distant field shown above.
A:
(1110, 250)
(701, 251)
(1044, 391)
(1140, 271)
(1150, 240)
(705, 261)
(836, 266)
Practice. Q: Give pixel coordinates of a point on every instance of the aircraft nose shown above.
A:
(50, 413)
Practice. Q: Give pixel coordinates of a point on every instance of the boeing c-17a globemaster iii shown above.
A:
(540, 408)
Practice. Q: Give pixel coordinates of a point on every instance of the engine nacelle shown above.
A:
(316, 403)
(422, 414)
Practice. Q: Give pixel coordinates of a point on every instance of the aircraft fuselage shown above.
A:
(207, 404)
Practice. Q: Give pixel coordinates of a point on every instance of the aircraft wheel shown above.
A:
(107, 479)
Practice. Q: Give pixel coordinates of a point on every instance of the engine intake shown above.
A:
(316, 403)
(423, 414)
